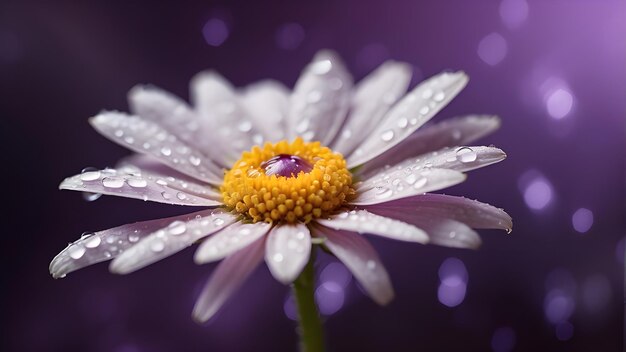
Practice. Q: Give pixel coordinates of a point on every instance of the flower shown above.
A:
(276, 171)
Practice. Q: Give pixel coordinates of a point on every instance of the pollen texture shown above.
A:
(251, 190)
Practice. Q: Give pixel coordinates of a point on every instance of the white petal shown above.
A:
(226, 279)
(320, 99)
(461, 159)
(141, 185)
(105, 245)
(362, 221)
(449, 233)
(175, 115)
(471, 212)
(395, 184)
(147, 165)
(229, 240)
(362, 260)
(268, 104)
(448, 133)
(373, 97)
(287, 251)
(233, 131)
(173, 238)
(146, 137)
(415, 109)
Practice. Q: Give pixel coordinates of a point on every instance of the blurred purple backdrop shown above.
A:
(553, 70)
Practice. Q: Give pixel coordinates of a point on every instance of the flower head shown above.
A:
(274, 169)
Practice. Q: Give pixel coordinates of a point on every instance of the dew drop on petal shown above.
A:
(93, 242)
(195, 160)
(278, 257)
(403, 122)
(166, 195)
(76, 252)
(137, 182)
(466, 155)
(90, 175)
(90, 197)
(321, 67)
(133, 237)
(181, 196)
(420, 182)
(177, 228)
(218, 221)
(113, 182)
(157, 246)
(166, 151)
(387, 135)
(383, 192)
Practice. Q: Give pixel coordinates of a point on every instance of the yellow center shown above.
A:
(255, 193)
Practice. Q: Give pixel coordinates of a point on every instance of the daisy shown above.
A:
(278, 173)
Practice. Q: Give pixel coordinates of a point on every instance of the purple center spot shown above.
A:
(286, 165)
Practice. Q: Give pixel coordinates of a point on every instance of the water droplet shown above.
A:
(321, 67)
(439, 96)
(177, 228)
(302, 126)
(133, 237)
(195, 160)
(181, 196)
(314, 96)
(218, 221)
(244, 126)
(371, 265)
(157, 246)
(93, 242)
(403, 122)
(161, 182)
(113, 182)
(119, 133)
(278, 257)
(90, 197)
(383, 192)
(452, 234)
(166, 151)
(76, 252)
(420, 182)
(466, 155)
(166, 195)
(137, 182)
(427, 93)
(146, 145)
(129, 140)
(90, 175)
(387, 135)
(424, 110)
(410, 179)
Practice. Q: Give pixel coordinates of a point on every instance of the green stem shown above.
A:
(310, 325)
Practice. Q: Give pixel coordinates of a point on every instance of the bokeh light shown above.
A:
(337, 273)
(492, 49)
(453, 286)
(538, 192)
(215, 32)
(513, 13)
(582, 220)
(330, 297)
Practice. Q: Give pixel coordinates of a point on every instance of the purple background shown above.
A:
(554, 71)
